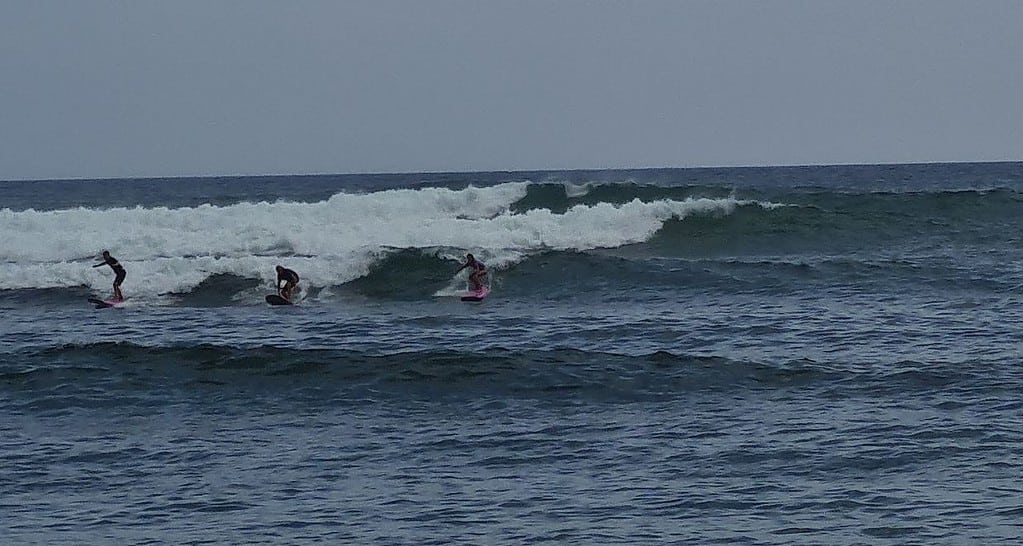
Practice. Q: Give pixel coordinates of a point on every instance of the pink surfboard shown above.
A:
(105, 304)
(476, 295)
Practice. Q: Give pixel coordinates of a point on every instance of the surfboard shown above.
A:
(274, 299)
(105, 304)
(476, 295)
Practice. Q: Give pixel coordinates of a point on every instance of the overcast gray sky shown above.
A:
(172, 88)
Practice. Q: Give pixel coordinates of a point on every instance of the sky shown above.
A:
(141, 88)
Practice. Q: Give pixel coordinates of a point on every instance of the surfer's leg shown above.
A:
(118, 296)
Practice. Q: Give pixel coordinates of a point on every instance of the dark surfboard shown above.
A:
(274, 299)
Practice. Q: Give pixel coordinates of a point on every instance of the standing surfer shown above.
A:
(290, 279)
(119, 273)
(479, 271)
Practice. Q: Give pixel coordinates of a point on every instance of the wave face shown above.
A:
(330, 242)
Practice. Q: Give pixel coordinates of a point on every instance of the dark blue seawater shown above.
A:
(802, 355)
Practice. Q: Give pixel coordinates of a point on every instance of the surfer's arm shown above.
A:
(101, 264)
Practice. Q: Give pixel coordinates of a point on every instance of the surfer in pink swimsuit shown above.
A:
(479, 271)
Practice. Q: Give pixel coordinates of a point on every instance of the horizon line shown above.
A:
(491, 171)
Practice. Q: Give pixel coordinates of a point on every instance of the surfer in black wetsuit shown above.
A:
(479, 271)
(290, 279)
(119, 273)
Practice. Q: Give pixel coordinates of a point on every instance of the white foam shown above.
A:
(329, 242)
(577, 190)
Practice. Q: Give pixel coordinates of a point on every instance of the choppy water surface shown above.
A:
(819, 355)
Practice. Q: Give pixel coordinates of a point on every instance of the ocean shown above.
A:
(776, 355)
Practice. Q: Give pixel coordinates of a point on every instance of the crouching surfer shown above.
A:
(119, 273)
(479, 271)
(290, 280)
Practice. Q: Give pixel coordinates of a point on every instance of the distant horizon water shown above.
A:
(401, 172)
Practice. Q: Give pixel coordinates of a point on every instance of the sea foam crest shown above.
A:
(330, 242)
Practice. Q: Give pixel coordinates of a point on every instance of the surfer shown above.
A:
(290, 279)
(119, 273)
(479, 271)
